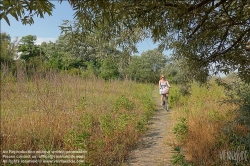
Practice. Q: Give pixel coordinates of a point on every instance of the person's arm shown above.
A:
(159, 84)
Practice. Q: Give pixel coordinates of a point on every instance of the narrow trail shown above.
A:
(154, 148)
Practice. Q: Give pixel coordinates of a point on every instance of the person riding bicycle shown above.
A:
(163, 83)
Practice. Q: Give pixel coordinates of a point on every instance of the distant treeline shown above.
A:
(86, 59)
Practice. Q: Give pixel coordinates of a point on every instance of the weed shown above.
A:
(179, 159)
(181, 129)
(141, 123)
(124, 103)
(82, 103)
(174, 97)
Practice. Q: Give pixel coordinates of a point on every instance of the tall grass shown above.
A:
(201, 120)
(53, 111)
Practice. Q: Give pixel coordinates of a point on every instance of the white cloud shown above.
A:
(40, 40)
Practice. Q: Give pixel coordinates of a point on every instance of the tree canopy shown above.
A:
(207, 36)
(7, 47)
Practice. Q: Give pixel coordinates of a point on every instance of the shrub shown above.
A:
(181, 129)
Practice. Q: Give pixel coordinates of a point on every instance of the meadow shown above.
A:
(50, 111)
(57, 111)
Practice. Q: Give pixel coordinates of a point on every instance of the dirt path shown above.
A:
(154, 149)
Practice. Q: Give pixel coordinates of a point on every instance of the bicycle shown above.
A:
(165, 102)
(165, 99)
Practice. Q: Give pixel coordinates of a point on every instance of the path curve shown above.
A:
(154, 148)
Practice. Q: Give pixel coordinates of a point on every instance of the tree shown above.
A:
(109, 70)
(209, 36)
(31, 55)
(189, 28)
(8, 48)
(25, 10)
(147, 67)
(28, 48)
(136, 70)
(171, 72)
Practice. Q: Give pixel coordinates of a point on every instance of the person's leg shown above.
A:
(162, 99)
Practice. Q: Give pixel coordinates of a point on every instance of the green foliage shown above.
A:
(179, 75)
(179, 159)
(147, 67)
(239, 94)
(8, 50)
(86, 61)
(181, 129)
(18, 9)
(82, 103)
(108, 70)
(215, 115)
(123, 121)
(107, 124)
(90, 70)
(244, 99)
(7, 79)
(171, 71)
(31, 54)
(185, 89)
(148, 106)
(174, 98)
(141, 123)
(124, 103)
(87, 57)
(190, 29)
(81, 140)
(80, 136)
(5, 43)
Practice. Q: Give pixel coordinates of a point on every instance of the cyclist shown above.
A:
(162, 84)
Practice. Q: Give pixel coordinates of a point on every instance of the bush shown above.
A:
(238, 131)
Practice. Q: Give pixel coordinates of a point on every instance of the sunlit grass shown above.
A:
(54, 111)
(200, 119)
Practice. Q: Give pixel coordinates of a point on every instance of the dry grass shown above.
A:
(206, 117)
(52, 111)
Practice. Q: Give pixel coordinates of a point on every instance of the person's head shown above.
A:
(162, 77)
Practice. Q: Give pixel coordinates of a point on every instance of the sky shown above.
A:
(47, 28)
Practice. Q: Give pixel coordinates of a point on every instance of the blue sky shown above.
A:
(46, 29)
